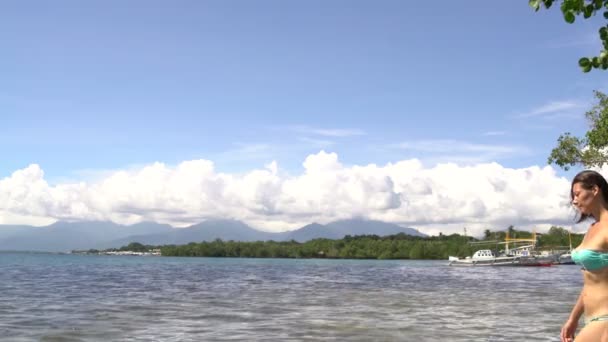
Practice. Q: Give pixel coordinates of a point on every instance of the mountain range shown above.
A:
(66, 236)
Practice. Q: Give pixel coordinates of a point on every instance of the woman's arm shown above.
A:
(568, 330)
(578, 309)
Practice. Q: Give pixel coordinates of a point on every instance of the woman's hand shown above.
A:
(568, 330)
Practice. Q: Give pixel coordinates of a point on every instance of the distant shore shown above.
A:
(120, 253)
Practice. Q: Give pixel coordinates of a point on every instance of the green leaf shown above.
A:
(587, 68)
(598, 4)
(568, 151)
(548, 3)
(583, 62)
(587, 13)
(595, 61)
(603, 33)
(569, 17)
(535, 4)
(606, 14)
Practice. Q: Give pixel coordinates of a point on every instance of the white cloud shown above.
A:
(494, 133)
(555, 109)
(461, 152)
(338, 132)
(445, 198)
(247, 152)
(318, 143)
(452, 146)
(328, 132)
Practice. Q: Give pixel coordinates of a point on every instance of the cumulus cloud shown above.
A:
(445, 198)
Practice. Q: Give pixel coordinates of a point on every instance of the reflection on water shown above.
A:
(46, 297)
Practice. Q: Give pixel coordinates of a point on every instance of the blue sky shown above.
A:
(111, 85)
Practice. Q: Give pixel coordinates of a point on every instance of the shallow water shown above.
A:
(49, 297)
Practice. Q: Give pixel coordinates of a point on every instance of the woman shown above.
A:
(589, 194)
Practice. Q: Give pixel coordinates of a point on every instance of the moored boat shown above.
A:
(536, 261)
(565, 259)
(529, 256)
(484, 257)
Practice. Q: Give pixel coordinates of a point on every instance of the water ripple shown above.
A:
(45, 297)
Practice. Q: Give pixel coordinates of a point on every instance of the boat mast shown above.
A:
(517, 240)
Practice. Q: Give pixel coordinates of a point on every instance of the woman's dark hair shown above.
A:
(588, 179)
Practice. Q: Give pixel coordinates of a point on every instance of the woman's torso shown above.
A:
(595, 290)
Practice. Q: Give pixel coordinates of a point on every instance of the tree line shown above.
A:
(399, 246)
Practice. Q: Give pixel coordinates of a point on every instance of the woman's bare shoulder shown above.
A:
(602, 234)
(596, 236)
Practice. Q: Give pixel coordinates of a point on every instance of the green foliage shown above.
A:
(585, 8)
(400, 246)
(590, 151)
(555, 238)
(487, 234)
(569, 151)
(560, 237)
(135, 247)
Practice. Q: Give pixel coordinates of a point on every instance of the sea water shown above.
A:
(55, 297)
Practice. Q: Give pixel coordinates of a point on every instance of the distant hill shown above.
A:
(66, 236)
(312, 231)
(10, 230)
(362, 227)
(206, 231)
(339, 229)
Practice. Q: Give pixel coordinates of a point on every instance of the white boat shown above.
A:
(565, 259)
(484, 257)
(528, 256)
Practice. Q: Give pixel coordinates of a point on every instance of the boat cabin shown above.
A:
(483, 254)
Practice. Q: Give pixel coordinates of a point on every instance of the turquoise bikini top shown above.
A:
(590, 260)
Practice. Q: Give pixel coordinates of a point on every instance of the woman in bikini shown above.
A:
(589, 194)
